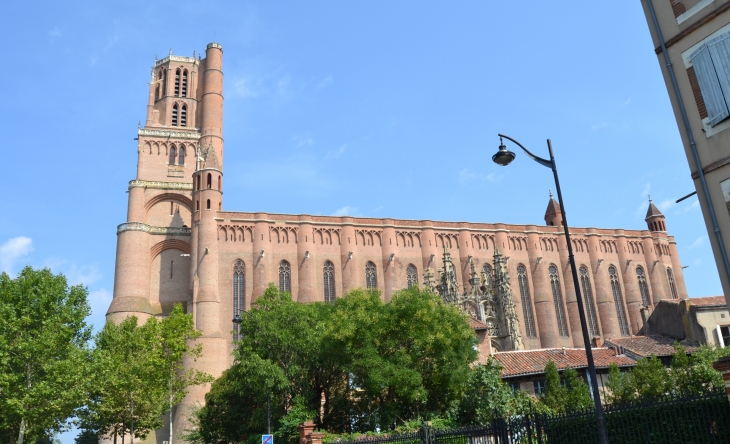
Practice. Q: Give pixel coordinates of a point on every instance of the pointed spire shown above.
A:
(653, 210)
(553, 215)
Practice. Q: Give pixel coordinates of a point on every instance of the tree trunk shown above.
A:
(21, 434)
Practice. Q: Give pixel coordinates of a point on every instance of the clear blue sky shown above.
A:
(374, 108)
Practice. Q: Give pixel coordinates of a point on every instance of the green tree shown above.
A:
(87, 437)
(555, 395)
(579, 394)
(694, 374)
(565, 394)
(43, 352)
(650, 379)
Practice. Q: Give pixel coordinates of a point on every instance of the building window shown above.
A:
(514, 387)
(198, 181)
(173, 155)
(558, 300)
(239, 293)
(618, 300)
(284, 277)
(487, 269)
(185, 85)
(672, 287)
(181, 156)
(724, 335)
(208, 205)
(177, 83)
(525, 299)
(219, 183)
(711, 63)
(174, 115)
(210, 180)
(371, 279)
(184, 116)
(643, 288)
(163, 76)
(329, 282)
(585, 284)
(539, 386)
(411, 275)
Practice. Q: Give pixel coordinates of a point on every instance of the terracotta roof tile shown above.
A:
(708, 301)
(476, 324)
(529, 362)
(644, 346)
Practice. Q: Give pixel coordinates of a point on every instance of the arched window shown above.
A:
(284, 277)
(411, 275)
(487, 269)
(210, 180)
(173, 153)
(184, 116)
(157, 91)
(185, 84)
(558, 300)
(239, 293)
(526, 301)
(618, 300)
(371, 279)
(329, 282)
(174, 115)
(181, 156)
(585, 284)
(163, 76)
(672, 287)
(177, 82)
(208, 207)
(643, 288)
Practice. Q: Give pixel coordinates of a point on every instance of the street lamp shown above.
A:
(238, 320)
(504, 157)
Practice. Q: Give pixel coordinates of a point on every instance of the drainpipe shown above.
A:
(691, 139)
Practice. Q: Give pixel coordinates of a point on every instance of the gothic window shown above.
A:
(174, 115)
(618, 300)
(411, 275)
(371, 279)
(181, 156)
(492, 328)
(585, 283)
(173, 153)
(177, 83)
(185, 84)
(210, 180)
(284, 277)
(487, 269)
(672, 287)
(525, 299)
(239, 293)
(643, 288)
(329, 282)
(558, 300)
(184, 116)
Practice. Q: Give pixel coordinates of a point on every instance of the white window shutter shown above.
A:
(708, 77)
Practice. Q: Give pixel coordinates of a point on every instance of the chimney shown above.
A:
(645, 313)
(597, 342)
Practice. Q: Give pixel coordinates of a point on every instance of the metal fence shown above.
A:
(696, 419)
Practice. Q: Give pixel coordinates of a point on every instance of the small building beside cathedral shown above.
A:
(179, 245)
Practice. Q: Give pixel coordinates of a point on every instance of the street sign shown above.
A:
(267, 439)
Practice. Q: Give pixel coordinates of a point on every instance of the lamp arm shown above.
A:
(540, 160)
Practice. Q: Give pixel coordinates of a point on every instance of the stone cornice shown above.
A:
(168, 134)
(174, 58)
(139, 226)
(160, 185)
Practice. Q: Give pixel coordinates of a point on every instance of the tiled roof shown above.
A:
(529, 362)
(476, 324)
(708, 301)
(645, 346)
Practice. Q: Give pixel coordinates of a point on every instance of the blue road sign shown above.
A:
(267, 439)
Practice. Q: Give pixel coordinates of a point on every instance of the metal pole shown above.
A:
(268, 413)
(600, 417)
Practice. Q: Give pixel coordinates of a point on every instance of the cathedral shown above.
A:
(179, 245)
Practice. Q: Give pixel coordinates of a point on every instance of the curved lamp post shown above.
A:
(504, 157)
(238, 320)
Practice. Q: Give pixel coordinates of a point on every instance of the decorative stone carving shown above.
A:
(160, 185)
(168, 134)
(139, 226)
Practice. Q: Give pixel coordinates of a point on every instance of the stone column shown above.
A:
(604, 300)
(542, 295)
(306, 266)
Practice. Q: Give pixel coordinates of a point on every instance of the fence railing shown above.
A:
(696, 419)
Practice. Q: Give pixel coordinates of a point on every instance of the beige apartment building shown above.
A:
(692, 44)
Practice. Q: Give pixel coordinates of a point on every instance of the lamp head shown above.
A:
(504, 156)
(237, 319)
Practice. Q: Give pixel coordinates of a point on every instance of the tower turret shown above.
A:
(553, 216)
(654, 218)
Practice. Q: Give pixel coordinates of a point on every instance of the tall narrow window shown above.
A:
(181, 156)
(618, 300)
(210, 180)
(177, 83)
(173, 153)
(284, 277)
(157, 91)
(184, 116)
(172, 267)
(208, 205)
(487, 269)
(198, 181)
(371, 279)
(411, 275)
(163, 74)
(526, 301)
(219, 183)
(672, 287)
(558, 300)
(239, 293)
(585, 283)
(174, 115)
(329, 282)
(185, 84)
(643, 288)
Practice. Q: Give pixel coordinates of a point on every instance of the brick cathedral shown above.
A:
(179, 245)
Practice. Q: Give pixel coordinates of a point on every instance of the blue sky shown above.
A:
(382, 109)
